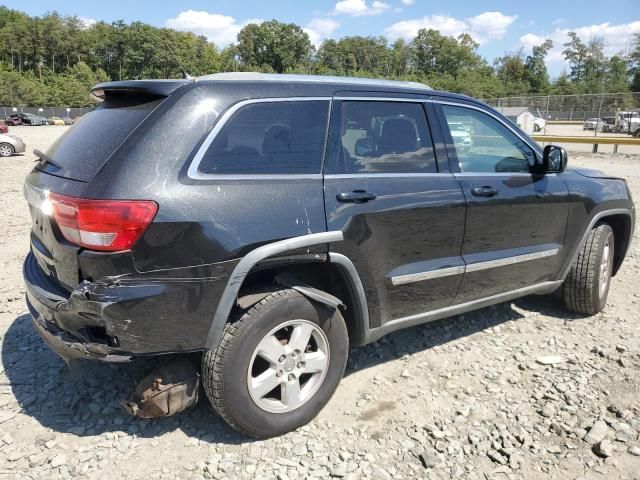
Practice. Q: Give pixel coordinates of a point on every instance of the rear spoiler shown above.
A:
(157, 88)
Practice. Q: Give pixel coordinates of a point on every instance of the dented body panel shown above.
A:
(133, 314)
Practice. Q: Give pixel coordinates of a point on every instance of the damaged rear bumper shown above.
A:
(69, 347)
(45, 300)
(117, 318)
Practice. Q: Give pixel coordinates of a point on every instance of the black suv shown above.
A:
(270, 222)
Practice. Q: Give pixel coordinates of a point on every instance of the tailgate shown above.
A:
(57, 258)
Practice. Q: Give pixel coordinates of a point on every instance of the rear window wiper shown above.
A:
(44, 158)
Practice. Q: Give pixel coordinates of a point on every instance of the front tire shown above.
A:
(277, 364)
(586, 287)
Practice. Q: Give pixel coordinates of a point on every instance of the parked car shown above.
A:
(67, 121)
(56, 121)
(461, 136)
(591, 124)
(271, 239)
(27, 119)
(4, 128)
(10, 145)
(13, 120)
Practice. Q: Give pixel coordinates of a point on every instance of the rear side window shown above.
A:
(381, 137)
(82, 151)
(284, 137)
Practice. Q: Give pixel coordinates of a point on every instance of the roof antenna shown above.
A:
(185, 75)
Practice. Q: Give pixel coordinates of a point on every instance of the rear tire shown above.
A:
(586, 287)
(6, 150)
(250, 385)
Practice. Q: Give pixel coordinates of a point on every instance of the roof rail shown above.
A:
(286, 77)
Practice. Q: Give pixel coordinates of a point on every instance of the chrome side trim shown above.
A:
(500, 174)
(428, 275)
(501, 262)
(540, 288)
(193, 172)
(471, 267)
(244, 266)
(516, 131)
(382, 99)
(385, 175)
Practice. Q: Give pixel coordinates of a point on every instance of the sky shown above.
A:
(498, 26)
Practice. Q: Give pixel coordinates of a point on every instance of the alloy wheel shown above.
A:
(288, 366)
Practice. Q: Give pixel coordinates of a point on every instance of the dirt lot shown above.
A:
(464, 398)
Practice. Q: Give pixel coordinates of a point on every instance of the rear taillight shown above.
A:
(106, 225)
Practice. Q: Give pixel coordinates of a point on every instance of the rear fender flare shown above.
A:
(242, 269)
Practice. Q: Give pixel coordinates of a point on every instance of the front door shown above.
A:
(516, 219)
(401, 211)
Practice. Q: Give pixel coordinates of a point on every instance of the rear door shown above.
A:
(516, 219)
(401, 210)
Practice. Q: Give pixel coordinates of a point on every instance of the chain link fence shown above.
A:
(44, 111)
(572, 107)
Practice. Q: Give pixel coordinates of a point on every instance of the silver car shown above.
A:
(591, 124)
(10, 145)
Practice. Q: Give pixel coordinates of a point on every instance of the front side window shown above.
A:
(270, 138)
(382, 137)
(484, 145)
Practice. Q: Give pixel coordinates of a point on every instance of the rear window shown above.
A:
(270, 138)
(82, 151)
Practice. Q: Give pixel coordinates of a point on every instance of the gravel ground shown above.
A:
(518, 391)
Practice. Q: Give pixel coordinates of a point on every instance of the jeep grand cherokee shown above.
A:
(270, 222)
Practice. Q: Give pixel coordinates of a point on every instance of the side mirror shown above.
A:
(365, 147)
(554, 159)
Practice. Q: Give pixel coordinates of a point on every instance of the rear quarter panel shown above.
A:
(202, 221)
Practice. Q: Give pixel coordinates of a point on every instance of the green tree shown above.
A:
(400, 58)
(434, 53)
(536, 68)
(563, 85)
(512, 72)
(634, 64)
(281, 46)
(54, 60)
(616, 75)
(330, 57)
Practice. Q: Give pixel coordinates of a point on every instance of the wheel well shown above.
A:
(323, 275)
(621, 226)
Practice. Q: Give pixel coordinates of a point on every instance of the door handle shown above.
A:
(357, 196)
(484, 191)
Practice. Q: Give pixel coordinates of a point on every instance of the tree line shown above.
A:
(53, 60)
